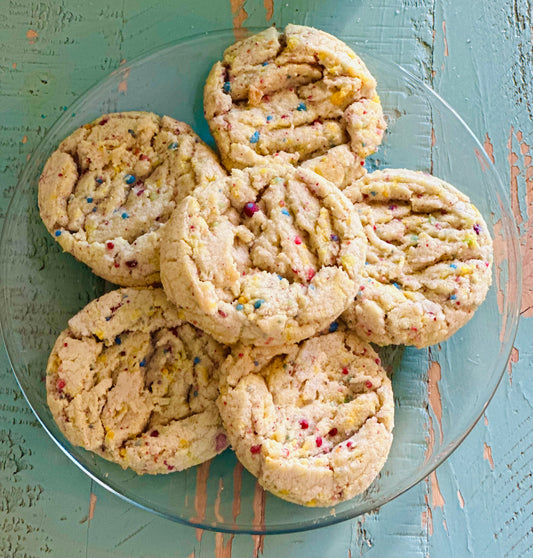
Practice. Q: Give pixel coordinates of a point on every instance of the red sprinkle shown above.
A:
(304, 424)
(60, 384)
(349, 444)
(250, 208)
(310, 274)
(318, 441)
(297, 240)
(104, 121)
(345, 370)
(362, 163)
(377, 361)
(131, 263)
(255, 449)
(333, 432)
(110, 245)
(154, 433)
(117, 264)
(369, 384)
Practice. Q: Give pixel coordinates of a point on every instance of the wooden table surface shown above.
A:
(479, 56)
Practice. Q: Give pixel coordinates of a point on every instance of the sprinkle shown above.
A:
(256, 363)
(250, 208)
(102, 122)
(173, 145)
(89, 200)
(196, 360)
(301, 107)
(129, 179)
(226, 87)
(397, 286)
(239, 306)
(285, 211)
(333, 432)
(269, 118)
(349, 445)
(477, 228)
(297, 240)
(345, 370)
(125, 215)
(60, 384)
(154, 434)
(310, 274)
(374, 193)
(304, 424)
(254, 138)
(318, 441)
(132, 133)
(99, 180)
(334, 326)
(280, 277)
(264, 64)
(377, 361)
(110, 245)
(142, 364)
(255, 449)
(58, 233)
(258, 302)
(334, 237)
(452, 297)
(368, 384)
(118, 340)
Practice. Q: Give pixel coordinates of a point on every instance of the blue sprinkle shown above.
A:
(334, 237)
(366, 263)
(373, 193)
(312, 287)
(452, 297)
(256, 363)
(301, 107)
(280, 277)
(195, 393)
(258, 302)
(125, 215)
(196, 360)
(118, 340)
(129, 179)
(94, 209)
(269, 118)
(226, 87)
(239, 306)
(397, 286)
(58, 233)
(264, 64)
(99, 180)
(285, 211)
(89, 200)
(334, 326)
(142, 363)
(107, 318)
(453, 266)
(173, 145)
(254, 138)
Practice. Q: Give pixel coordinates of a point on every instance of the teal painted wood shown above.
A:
(479, 57)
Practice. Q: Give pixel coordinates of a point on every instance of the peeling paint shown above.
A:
(218, 515)
(240, 15)
(223, 550)
(487, 454)
(92, 504)
(259, 518)
(480, 159)
(269, 7)
(427, 518)
(461, 499)
(24, 139)
(515, 172)
(123, 85)
(437, 500)
(489, 148)
(485, 420)
(445, 39)
(237, 485)
(200, 496)
(32, 36)
(435, 402)
(515, 356)
(14, 65)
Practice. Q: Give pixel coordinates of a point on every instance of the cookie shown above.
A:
(130, 380)
(312, 421)
(107, 192)
(292, 96)
(429, 259)
(267, 255)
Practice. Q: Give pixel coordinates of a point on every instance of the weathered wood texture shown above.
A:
(479, 56)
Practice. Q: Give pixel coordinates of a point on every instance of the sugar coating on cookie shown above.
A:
(428, 263)
(130, 380)
(312, 421)
(106, 193)
(267, 255)
(293, 95)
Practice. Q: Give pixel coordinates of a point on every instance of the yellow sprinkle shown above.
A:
(183, 443)
(100, 334)
(164, 371)
(110, 435)
(348, 261)
(242, 300)
(292, 42)
(122, 452)
(466, 270)
(311, 503)
(338, 97)
(375, 99)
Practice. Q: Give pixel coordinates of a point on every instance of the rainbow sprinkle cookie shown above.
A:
(294, 96)
(429, 259)
(134, 383)
(107, 192)
(267, 255)
(312, 421)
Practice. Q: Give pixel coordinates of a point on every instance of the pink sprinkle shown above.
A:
(297, 240)
(310, 274)
(304, 424)
(255, 449)
(369, 384)
(318, 441)
(349, 444)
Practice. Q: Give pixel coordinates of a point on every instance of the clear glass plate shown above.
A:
(440, 393)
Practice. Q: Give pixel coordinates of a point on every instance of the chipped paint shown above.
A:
(92, 504)
(489, 148)
(200, 496)
(515, 173)
(437, 501)
(480, 159)
(487, 454)
(237, 485)
(435, 402)
(258, 507)
(269, 7)
(461, 499)
(515, 356)
(240, 15)
(123, 85)
(14, 65)
(218, 515)
(24, 138)
(427, 517)
(485, 420)
(223, 550)
(32, 36)
(445, 39)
